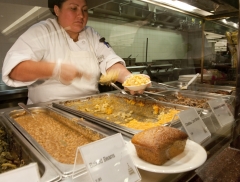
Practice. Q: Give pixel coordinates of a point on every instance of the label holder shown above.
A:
(221, 111)
(194, 125)
(28, 173)
(106, 160)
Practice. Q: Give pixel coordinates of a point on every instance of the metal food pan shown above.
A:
(118, 110)
(51, 132)
(190, 98)
(212, 89)
(27, 153)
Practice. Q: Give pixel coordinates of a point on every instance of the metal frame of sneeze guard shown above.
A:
(235, 143)
(106, 160)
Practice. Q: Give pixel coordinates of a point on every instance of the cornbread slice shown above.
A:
(159, 144)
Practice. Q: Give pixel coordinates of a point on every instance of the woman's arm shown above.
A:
(30, 70)
(123, 72)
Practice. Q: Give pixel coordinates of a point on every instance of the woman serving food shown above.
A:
(61, 58)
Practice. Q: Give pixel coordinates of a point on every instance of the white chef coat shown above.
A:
(47, 41)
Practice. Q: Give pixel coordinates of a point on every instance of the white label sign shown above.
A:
(194, 126)
(107, 160)
(28, 173)
(221, 111)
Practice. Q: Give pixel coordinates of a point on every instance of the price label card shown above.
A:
(221, 111)
(194, 125)
(107, 160)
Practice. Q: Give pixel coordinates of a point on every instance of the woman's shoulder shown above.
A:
(47, 25)
(91, 31)
(44, 29)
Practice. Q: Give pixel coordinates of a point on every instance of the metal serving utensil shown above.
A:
(167, 86)
(24, 107)
(186, 86)
(118, 88)
(109, 79)
(146, 95)
(152, 93)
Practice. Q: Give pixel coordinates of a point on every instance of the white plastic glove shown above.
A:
(65, 73)
(56, 70)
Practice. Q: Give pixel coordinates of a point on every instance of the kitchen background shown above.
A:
(133, 39)
(144, 31)
(133, 28)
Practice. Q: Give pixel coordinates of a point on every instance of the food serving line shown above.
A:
(86, 116)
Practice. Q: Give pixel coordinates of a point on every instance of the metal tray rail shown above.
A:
(177, 83)
(80, 106)
(230, 100)
(47, 171)
(213, 89)
(75, 123)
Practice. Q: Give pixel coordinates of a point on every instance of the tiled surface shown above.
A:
(225, 167)
(131, 39)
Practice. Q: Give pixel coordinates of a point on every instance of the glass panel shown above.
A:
(167, 44)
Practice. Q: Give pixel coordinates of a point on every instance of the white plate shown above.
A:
(192, 157)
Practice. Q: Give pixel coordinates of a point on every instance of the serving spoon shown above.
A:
(24, 107)
(186, 86)
(109, 79)
(118, 88)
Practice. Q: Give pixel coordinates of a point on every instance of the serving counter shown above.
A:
(217, 144)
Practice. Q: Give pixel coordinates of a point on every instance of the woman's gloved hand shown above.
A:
(68, 73)
(65, 73)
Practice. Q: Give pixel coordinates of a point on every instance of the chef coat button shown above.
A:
(83, 42)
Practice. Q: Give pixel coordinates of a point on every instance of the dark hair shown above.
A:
(52, 3)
